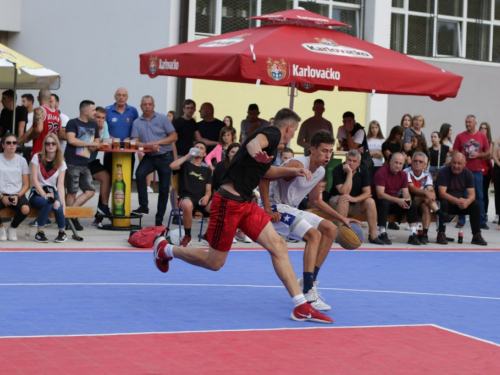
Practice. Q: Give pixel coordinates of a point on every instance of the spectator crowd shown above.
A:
(50, 162)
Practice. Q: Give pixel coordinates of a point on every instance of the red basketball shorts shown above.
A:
(227, 215)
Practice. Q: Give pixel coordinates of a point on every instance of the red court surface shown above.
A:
(365, 350)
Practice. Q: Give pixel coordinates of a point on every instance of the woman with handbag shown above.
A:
(14, 183)
(48, 169)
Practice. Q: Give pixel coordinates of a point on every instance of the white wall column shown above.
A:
(173, 40)
(377, 30)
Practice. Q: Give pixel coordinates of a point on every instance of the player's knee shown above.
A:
(330, 230)
(313, 235)
(56, 205)
(216, 265)
(90, 193)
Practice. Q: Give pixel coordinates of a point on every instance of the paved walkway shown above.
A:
(104, 239)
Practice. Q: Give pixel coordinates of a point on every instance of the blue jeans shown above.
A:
(478, 188)
(148, 165)
(45, 207)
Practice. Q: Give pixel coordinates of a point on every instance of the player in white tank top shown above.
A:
(280, 198)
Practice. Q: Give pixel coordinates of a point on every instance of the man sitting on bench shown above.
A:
(423, 194)
(390, 190)
(351, 194)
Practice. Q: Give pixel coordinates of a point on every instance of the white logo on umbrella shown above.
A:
(330, 47)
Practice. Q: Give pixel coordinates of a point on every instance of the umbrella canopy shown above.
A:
(310, 57)
(30, 75)
(300, 17)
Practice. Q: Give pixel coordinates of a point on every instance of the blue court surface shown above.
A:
(88, 293)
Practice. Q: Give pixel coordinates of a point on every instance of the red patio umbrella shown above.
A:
(310, 57)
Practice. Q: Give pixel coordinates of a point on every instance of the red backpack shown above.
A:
(145, 237)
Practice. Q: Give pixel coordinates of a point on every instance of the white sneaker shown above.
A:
(495, 220)
(235, 240)
(3, 237)
(150, 190)
(407, 227)
(242, 237)
(11, 234)
(314, 297)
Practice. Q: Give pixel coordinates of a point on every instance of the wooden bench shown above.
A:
(69, 213)
(391, 218)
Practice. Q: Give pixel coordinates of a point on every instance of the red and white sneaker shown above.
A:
(186, 241)
(160, 258)
(306, 312)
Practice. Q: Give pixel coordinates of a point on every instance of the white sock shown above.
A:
(413, 230)
(381, 229)
(299, 300)
(169, 250)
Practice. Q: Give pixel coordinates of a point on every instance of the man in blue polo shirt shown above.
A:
(154, 132)
(120, 117)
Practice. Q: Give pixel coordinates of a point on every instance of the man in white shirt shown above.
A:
(280, 198)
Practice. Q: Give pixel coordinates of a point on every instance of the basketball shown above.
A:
(350, 238)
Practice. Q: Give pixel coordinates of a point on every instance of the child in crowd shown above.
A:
(226, 137)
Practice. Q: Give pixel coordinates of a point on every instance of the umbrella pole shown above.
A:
(292, 94)
(14, 105)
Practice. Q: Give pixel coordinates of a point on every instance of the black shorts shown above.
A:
(95, 167)
(196, 205)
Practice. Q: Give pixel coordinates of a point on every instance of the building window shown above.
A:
(447, 28)
(215, 17)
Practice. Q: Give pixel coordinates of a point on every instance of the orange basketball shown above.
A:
(350, 238)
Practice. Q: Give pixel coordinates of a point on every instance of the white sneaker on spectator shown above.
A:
(235, 240)
(11, 234)
(495, 220)
(150, 190)
(3, 236)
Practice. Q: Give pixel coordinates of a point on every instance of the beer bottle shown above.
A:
(461, 235)
(119, 193)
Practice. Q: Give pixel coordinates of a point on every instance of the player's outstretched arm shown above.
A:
(266, 204)
(291, 170)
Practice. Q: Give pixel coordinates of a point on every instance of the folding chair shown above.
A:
(178, 212)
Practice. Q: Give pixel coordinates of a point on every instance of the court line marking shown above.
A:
(251, 286)
(258, 330)
(466, 335)
(239, 249)
(223, 330)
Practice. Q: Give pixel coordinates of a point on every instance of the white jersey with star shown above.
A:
(294, 191)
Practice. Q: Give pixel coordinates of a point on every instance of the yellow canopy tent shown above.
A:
(19, 72)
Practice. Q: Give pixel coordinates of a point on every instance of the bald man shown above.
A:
(120, 116)
(455, 185)
(208, 129)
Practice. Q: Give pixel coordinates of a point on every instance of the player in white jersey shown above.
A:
(280, 199)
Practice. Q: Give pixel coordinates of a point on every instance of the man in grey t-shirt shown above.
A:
(252, 123)
(312, 125)
(155, 132)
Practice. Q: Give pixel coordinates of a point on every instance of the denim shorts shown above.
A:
(78, 177)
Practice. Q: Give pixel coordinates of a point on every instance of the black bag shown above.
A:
(50, 190)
